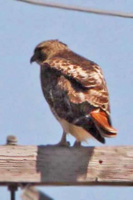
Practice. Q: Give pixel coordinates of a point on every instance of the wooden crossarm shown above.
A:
(42, 165)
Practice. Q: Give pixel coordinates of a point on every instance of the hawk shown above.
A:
(76, 92)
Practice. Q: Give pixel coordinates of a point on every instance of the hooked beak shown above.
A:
(33, 58)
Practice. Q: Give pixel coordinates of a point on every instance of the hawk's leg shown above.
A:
(77, 144)
(63, 141)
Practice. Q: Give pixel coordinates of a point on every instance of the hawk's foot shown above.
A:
(63, 144)
(60, 144)
(77, 144)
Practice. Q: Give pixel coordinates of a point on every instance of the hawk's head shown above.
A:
(46, 50)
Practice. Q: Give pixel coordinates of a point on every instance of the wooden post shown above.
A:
(45, 165)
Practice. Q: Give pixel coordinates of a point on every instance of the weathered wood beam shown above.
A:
(41, 165)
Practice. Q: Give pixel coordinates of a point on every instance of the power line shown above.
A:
(80, 9)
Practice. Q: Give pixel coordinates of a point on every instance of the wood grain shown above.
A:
(41, 165)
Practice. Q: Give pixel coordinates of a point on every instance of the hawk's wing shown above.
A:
(89, 77)
(92, 86)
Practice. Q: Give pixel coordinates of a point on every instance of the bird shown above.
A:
(76, 92)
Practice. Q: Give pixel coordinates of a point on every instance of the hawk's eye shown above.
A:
(38, 49)
(41, 56)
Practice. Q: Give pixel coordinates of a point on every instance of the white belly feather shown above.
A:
(78, 132)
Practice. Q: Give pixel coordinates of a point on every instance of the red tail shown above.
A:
(102, 123)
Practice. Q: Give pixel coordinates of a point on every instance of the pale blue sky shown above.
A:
(23, 110)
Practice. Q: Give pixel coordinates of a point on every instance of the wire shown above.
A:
(80, 9)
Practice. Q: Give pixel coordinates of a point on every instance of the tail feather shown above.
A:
(96, 134)
(92, 129)
(102, 123)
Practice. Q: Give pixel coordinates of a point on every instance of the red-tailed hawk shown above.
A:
(76, 92)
